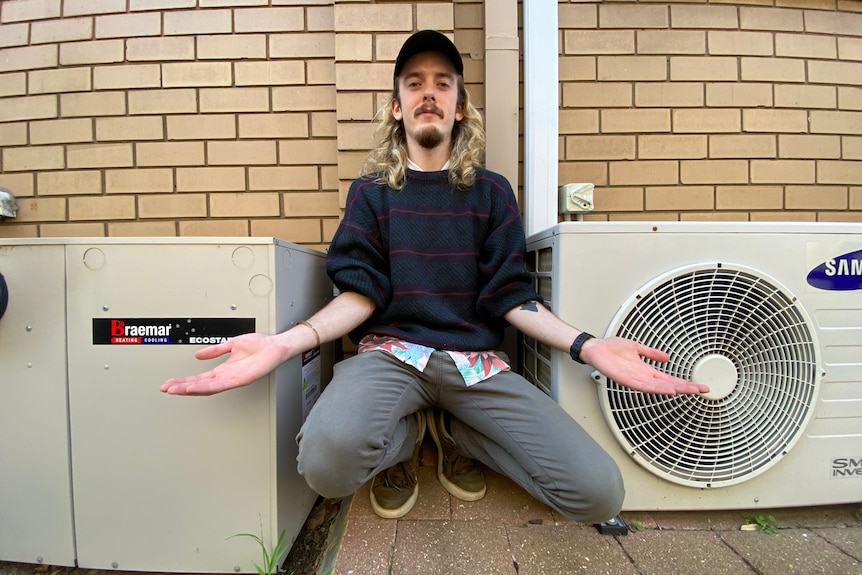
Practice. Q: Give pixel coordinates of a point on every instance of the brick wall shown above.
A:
(251, 117)
(727, 110)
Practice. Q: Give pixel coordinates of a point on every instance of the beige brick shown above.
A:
(304, 98)
(13, 134)
(14, 35)
(297, 230)
(232, 47)
(805, 96)
(42, 210)
(85, 7)
(201, 127)
(271, 73)
(268, 19)
(247, 204)
(569, 16)
(329, 178)
(839, 23)
(649, 172)
(671, 42)
(600, 148)
(353, 47)
(95, 229)
(19, 230)
(856, 198)
(850, 48)
(100, 156)
(822, 72)
(574, 68)
(714, 171)
(20, 184)
(774, 121)
(283, 178)
(139, 181)
(61, 131)
(579, 121)
(827, 122)
(302, 45)
(668, 94)
(739, 43)
(742, 146)
(632, 16)
(350, 165)
(176, 101)
(139, 5)
(173, 206)
(28, 108)
(751, 18)
(301, 204)
(228, 3)
(703, 16)
(631, 68)
(93, 52)
(371, 18)
(372, 76)
(634, 121)
(805, 46)
(355, 136)
(809, 146)
(782, 171)
(321, 72)
(125, 77)
(141, 229)
(28, 58)
(211, 179)
(772, 70)
(216, 100)
(598, 42)
(435, 16)
(273, 125)
(839, 216)
(320, 18)
(739, 94)
(304, 152)
(129, 25)
(679, 198)
(160, 49)
(129, 128)
(839, 172)
(815, 198)
(102, 208)
(182, 22)
(706, 120)
(23, 10)
(705, 68)
(214, 228)
(59, 80)
(356, 106)
(241, 153)
(696, 216)
(169, 153)
(851, 148)
(14, 84)
(33, 158)
(69, 182)
(668, 147)
(93, 104)
(595, 172)
(749, 197)
(194, 74)
(597, 95)
(619, 199)
(65, 30)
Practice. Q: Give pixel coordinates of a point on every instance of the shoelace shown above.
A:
(397, 476)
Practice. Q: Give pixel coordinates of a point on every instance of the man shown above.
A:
(429, 262)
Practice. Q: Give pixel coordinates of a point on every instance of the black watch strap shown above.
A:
(575, 350)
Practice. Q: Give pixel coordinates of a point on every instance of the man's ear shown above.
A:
(396, 109)
(459, 113)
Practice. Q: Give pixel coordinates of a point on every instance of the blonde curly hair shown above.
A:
(387, 161)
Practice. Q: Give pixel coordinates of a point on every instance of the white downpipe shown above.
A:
(541, 119)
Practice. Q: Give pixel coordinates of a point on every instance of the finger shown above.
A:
(214, 350)
(653, 353)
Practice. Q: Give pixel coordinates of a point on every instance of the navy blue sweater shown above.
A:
(441, 265)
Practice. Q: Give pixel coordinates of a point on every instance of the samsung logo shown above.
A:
(842, 273)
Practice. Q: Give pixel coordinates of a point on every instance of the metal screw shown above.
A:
(29, 328)
(105, 307)
(107, 367)
(233, 306)
(115, 564)
(39, 559)
(236, 568)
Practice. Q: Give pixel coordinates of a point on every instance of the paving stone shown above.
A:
(682, 553)
(451, 547)
(791, 552)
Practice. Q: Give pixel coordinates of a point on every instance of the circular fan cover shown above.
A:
(737, 331)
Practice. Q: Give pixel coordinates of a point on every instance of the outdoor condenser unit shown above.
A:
(100, 469)
(769, 315)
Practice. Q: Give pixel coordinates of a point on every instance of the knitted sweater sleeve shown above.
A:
(507, 283)
(357, 260)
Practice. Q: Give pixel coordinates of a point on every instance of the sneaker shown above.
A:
(459, 475)
(394, 490)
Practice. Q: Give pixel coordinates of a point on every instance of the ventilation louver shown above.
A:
(738, 331)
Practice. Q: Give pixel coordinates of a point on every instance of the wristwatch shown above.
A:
(575, 350)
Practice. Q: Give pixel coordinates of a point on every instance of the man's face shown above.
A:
(427, 100)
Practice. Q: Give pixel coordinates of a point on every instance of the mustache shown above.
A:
(429, 108)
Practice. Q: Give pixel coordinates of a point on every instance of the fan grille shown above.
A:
(737, 317)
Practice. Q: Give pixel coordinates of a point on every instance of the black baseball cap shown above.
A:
(429, 41)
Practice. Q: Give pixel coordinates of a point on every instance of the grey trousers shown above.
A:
(361, 425)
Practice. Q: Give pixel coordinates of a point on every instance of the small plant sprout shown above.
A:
(270, 558)
(766, 523)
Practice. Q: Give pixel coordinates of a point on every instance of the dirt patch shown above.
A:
(307, 552)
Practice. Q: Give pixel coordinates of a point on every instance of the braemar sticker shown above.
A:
(168, 331)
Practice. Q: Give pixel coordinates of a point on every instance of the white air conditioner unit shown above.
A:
(769, 315)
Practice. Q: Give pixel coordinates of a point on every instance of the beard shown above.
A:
(429, 137)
